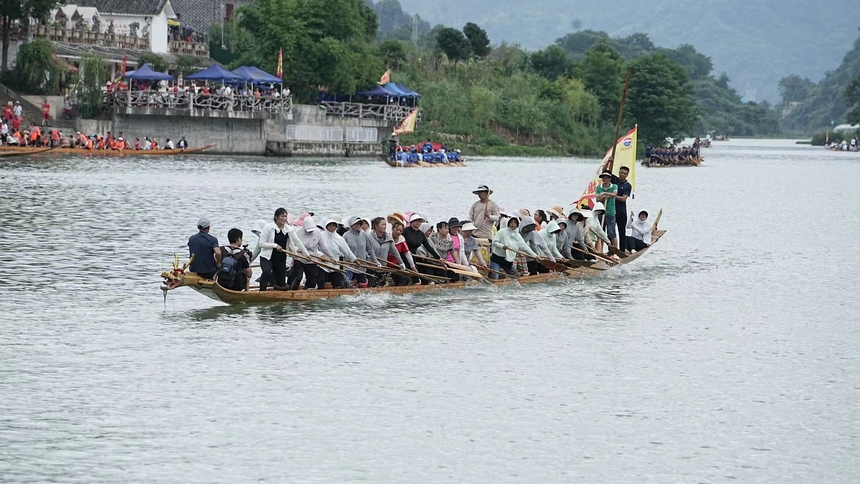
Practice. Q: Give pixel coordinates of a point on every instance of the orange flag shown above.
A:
(385, 79)
(408, 124)
(280, 71)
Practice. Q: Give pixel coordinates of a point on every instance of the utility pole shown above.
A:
(415, 30)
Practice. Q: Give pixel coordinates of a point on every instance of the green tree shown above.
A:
(602, 71)
(698, 66)
(155, 61)
(852, 97)
(94, 73)
(551, 63)
(453, 44)
(11, 10)
(478, 40)
(392, 53)
(325, 43)
(660, 99)
(35, 70)
(794, 88)
(188, 64)
(577, 43)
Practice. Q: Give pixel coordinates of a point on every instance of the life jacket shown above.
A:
(154, 145)
(89, 144)
(231, 275)
(440, 156)
(413, 158)
(55, 135)
(428, 157)
(100, 143)
(34, 135)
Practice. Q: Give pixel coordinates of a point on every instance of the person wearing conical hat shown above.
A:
(594, 226)
(484, 213)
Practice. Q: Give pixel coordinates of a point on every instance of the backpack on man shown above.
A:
(231, 275)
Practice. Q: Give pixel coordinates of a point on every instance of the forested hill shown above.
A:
(757, 42)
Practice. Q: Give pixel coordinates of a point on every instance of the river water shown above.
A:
(727, 353)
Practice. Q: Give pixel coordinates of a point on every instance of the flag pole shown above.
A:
(618, 124)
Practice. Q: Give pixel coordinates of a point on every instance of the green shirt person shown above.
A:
(611, 190)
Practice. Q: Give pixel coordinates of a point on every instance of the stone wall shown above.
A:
(305, 131)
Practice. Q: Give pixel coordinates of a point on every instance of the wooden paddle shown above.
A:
(604, 259)
(394, 268)
(312, 260)
(449, 266)
(455, 271)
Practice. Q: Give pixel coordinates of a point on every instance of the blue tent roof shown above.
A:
(145, 73)
(393, 88)
(407, 90)
(253, 74)
(380, 91)
(215, 73)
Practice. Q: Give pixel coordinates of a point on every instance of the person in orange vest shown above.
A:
(100, 142)
(55, 137)
(17, 137)
(154, 144)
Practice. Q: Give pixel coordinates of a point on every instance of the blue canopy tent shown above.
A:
(407, 90)
(379, 91)
(145, 73)
(255, 75)
(393, 88)
(215, 73)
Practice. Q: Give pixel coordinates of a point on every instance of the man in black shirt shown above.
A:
(624, 191)
(204, 248)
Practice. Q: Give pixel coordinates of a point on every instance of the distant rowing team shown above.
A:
(403, 248)
(34, 137)
(427, 153)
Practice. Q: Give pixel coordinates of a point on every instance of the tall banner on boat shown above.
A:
(408, 124)
(385, 79)
(625, 155)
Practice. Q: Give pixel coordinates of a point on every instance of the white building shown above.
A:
(151, 16)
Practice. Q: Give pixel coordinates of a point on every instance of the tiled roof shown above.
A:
(130, 7)
(113, 54)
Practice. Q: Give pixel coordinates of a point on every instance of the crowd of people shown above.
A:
(671, 155)
(427, 152)
(845, 145)
(159, 94)
(405, 248)
(33, 136)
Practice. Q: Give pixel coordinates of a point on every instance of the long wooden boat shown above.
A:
(25, 150)
(31, 151)
(179, 278)
(420, 164)
(685, 165)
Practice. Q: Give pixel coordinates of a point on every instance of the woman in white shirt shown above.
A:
(641, 229)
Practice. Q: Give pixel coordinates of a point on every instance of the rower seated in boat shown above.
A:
(235, 269)
(641, 230)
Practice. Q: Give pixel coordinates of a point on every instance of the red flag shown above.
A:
(121, 70)
(122, 66)
(386, 78)
(280, 71)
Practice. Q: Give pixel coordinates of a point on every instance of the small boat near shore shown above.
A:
(575, 270)
(26, 150)
(421, 164)
(31, 151)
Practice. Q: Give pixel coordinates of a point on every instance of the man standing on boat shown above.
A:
(204, 248)
(606, 193)
(484, 213)
(625, 189)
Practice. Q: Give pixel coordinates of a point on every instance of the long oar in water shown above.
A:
(597, 256)
(395, 269)
(448, 266)
(311, 259)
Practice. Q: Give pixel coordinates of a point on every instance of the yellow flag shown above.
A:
(625, 155)
(408, 124)
(386, 78)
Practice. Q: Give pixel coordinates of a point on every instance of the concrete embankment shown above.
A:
(304, 131)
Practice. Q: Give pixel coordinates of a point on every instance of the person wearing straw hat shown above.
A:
(593, 223)
(562, 239)
(340, 251)
(556, 213)
(417, 239)
(606, 193)
(454, 226)
(576, 235)
(484, 213)
(470, 245)
(359, 243)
